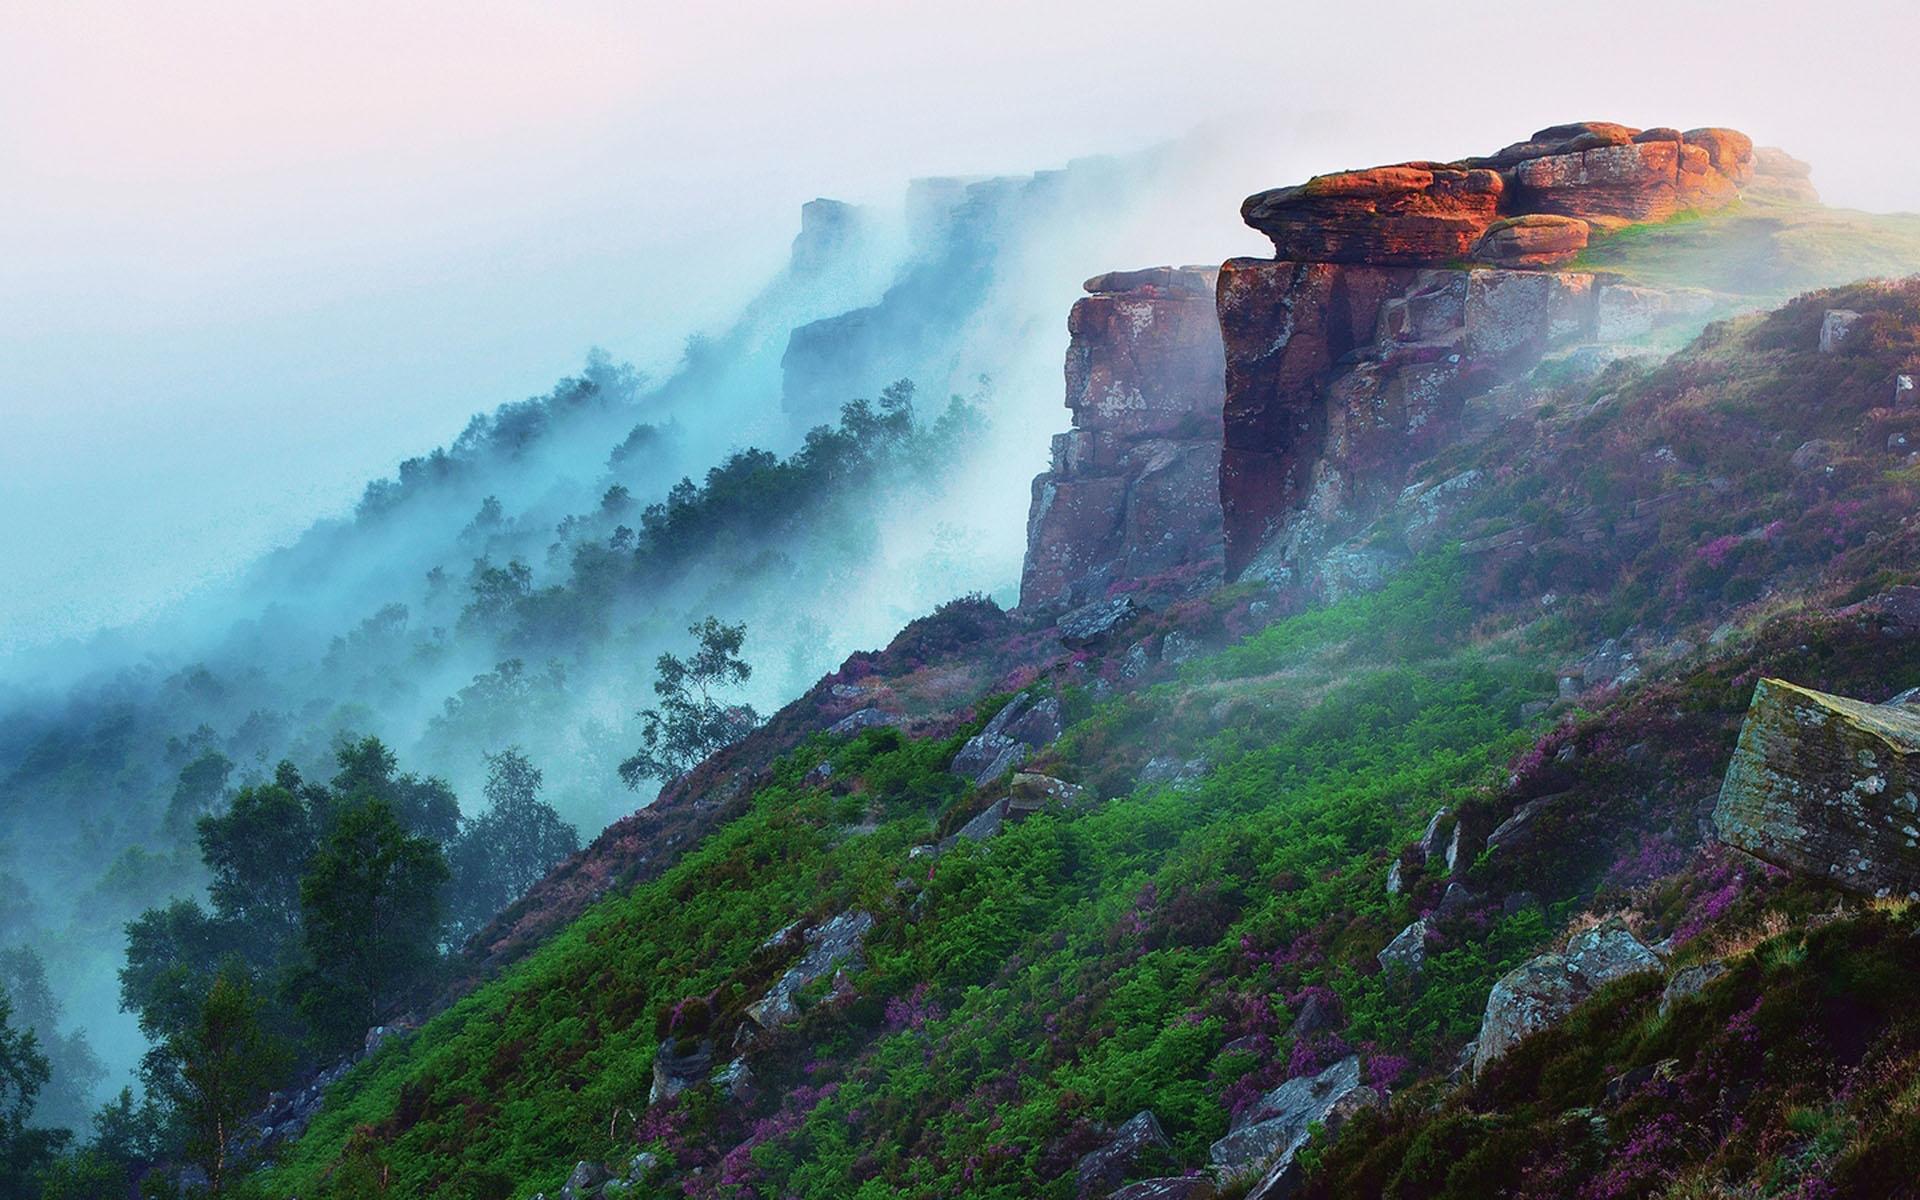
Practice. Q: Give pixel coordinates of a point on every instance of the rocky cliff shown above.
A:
(1133, 493)
(1400, 293)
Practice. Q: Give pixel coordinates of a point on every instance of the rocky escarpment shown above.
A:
(1353, 353)
(1133, 490)
(1827, 786)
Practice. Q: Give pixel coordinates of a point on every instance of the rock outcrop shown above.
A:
(1425, 213)
(1356, 352)
(1542, 990)
(1827, 786)
(1133, 489)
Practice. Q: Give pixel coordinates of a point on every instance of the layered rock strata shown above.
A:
(1132, 493)
(1354, 354)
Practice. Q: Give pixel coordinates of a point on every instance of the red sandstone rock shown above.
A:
(1778, 175)
(1412, 213)
(1133, 491)
(1532, 240)
(1729, 151)
(1639, 181)
(1285, 325)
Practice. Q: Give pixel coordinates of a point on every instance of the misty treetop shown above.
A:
(692, 721)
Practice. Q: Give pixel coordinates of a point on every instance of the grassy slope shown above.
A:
(1761, 249)
(1081, 967)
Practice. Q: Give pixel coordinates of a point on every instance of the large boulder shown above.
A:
(1828, 787)
(1265, 1137)
(1542, 990)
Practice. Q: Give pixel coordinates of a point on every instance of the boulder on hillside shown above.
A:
(1014, 733)
(1408, 950)
(1100, 1171)
(1836, 327)
(1542, 990)
(1088, 624)
(859, 722)
(829, 947)
(1827, 787)
(675, 1070)
(1266, 1136)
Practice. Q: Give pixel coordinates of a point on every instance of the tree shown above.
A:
(217, 1072)
(507, 848)
(23, 1072)
(172, 955)
(256, 852)
(691, 722)
(368, 771)
(75, 1070)
(371, 907)
(201, 784)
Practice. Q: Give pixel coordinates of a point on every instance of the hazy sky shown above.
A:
(252, 254)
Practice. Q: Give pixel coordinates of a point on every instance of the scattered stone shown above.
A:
(1408, 950)
(1267, 1134)
(829, 946)
(1166, 769)
(1101, 1170)
(1624, 1086)
(1453, 902)
(1542, 990)
(1394, 882)
(1089, 623)
(580, 1185)
(1030, 792)
(1183, 1187)
(1826, 786)
(1836, 327)
(735, 1080)
(860, 722)
(674, 1071)
(1430, 841)
(1903, 391)
(1811, 455)
(1319, 1013)
(1516, 825)
(1689, 981)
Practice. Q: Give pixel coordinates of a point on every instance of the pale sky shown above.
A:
(251, 255)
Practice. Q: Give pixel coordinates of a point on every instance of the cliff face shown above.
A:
(1359, 349)
(1133, 491)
